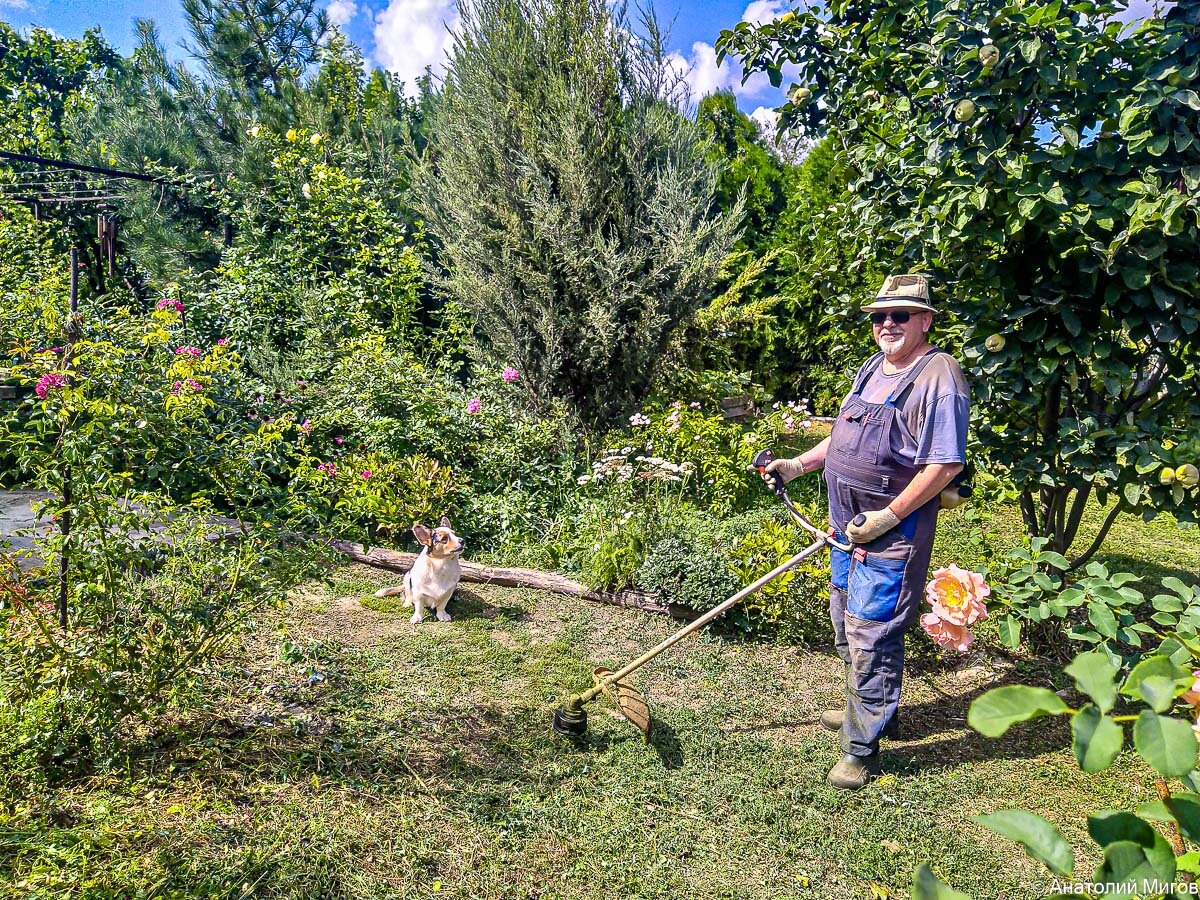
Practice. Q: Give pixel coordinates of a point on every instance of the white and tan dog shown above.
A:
(435, 574)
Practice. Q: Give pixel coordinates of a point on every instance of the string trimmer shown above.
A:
(571, 719)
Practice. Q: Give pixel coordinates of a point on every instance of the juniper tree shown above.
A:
(573, 203)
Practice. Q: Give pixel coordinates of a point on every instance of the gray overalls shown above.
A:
(875, 592)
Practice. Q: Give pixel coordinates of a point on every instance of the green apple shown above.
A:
(989, 55)
(1166, 476)
(1188, 475)
(964, 110)
(995, 343)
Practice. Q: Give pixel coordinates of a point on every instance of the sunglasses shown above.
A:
(899, 316)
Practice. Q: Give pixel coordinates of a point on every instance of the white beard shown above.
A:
(893, 347)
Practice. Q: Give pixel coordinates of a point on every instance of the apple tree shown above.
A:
(1042, 162)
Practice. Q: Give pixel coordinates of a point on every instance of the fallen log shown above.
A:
(394, 561)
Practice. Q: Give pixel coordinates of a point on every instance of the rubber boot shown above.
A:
(831, 720)
(853, 772)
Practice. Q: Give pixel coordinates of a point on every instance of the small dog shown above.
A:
(434, 575)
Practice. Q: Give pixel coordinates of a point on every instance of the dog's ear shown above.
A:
(445, 523)
(423, 535)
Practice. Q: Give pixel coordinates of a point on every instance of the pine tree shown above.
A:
(261, 46)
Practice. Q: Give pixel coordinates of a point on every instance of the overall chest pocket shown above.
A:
(861, 430)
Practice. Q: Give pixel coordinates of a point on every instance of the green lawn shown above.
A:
(403, 761)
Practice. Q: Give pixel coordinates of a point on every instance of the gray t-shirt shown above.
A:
(932, 425)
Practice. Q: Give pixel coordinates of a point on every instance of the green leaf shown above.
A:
(1185, 809)
(1187, 97)
(1158, 144)
(1167, 744)
(1095, 738)
(1009, 629)
(1041, 839)
(1189, 862)
(1132, 864)
(1070, 135)
(927, 886)
(1157, 681)
(1132, 493)
(1095, 675)
(1171, 583)
(1001, 708)
(1156, 811)
(1113, 825)
(1103, 619)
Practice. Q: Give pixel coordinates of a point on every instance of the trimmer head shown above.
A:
(570, 721)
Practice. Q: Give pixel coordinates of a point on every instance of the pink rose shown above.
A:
(190, 351)
(221, 342)
(510, 374)
(947, 634)
(366, 474)
(338, 441)
(1192, 695)
(168, 303)
(474, 405)
(306, 426)
(957, 595)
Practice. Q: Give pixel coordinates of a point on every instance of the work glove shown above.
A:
(788, 469)
(879, 522)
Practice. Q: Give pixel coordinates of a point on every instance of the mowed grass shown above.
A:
(374, 758)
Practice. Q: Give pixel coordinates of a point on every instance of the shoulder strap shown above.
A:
(911, 376)
(867, 370)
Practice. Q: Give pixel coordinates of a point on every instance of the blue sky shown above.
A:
(406, 35)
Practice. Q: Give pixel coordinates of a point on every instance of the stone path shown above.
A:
(16, 514)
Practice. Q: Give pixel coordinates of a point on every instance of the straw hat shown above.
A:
(902, 292)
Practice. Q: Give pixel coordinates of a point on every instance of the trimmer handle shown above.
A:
(860, 519)
(760, 462)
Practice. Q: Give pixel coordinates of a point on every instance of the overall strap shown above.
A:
(911, 375)
(867, 370)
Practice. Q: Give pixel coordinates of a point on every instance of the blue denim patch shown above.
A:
(839, 567)
(875, 585)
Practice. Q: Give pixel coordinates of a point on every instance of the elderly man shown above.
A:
(899, 439)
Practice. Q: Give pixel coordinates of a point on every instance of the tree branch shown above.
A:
(1108, 522)
(1029, 513)
(1072, 526)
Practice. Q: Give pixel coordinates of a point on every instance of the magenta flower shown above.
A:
(474, 405)
(221, 342)
(510, 375)
(56, 349)
(190, 351)
(169, 303)
(327, 468)
(338, 441)
(366, 474)
(306, 426)
(194, 385)
(48, 382)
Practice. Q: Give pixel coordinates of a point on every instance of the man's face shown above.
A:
(895, 338)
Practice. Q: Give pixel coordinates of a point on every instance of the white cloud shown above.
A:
(765, 118)
(14, 4)
(762, 11)
(704, 76)
(413, 34)
(340, 11)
